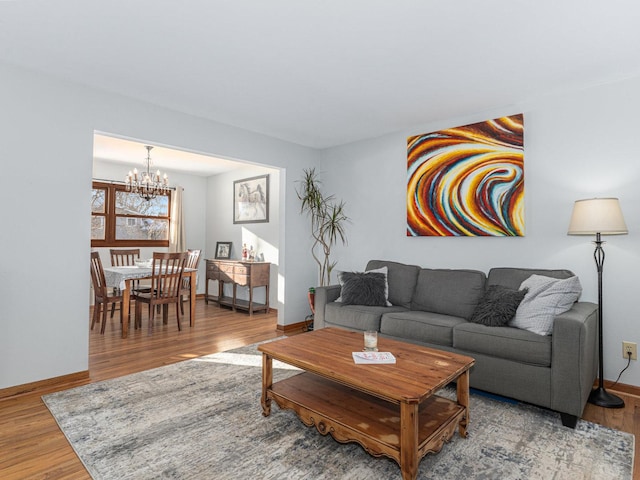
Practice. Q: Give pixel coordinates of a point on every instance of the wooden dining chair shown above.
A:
(101, 296)
(193, 259)
(166, 281)
(122, 257)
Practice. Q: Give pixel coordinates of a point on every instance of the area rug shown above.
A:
(202, 419)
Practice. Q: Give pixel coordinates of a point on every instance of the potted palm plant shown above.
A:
(327, 221)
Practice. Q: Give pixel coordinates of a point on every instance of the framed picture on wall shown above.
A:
(251, 200)
(223, 250)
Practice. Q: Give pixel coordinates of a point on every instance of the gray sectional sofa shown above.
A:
(432, 307)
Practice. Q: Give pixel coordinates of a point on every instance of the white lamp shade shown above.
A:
(597, 215)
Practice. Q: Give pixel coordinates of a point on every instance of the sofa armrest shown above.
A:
(324, 295)
(574, 362)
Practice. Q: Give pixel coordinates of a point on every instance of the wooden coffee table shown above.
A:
(389, 409)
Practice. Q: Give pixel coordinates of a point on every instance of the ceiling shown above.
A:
(322, 73)
(133, 154)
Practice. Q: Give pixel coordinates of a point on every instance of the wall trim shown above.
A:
(620, 387)
(292, 328)
(49, 384)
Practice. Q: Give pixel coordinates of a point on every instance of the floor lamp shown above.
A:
(599, 216)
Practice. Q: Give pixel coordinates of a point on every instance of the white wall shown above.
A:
(46, 150)
(264, 237)
(577, 145)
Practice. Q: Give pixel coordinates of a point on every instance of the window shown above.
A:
(123, 219)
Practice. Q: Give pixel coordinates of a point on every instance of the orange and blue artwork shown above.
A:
(467, 181)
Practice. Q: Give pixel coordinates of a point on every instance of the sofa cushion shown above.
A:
(546, 297)
(356, 317)
(513, 277)
(363, 288)
(382, 270)
(401, 279)
(497, 306)
(503, 342)
(449, 292)
(421, 326)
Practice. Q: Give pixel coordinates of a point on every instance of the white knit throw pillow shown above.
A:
(547, 297)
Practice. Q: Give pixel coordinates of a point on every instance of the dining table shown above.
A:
(122, 278)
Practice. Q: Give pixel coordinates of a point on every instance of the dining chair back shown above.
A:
(193, 260)
(101, 296)
(124, 257)
(166, 281)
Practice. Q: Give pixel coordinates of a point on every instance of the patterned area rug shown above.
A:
(201, 419)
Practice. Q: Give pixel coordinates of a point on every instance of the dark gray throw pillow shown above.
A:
(497, 306)
(363, 288)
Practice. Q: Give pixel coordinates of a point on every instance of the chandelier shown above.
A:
(146, 184)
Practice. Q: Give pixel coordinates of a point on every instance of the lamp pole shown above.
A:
(599, 396)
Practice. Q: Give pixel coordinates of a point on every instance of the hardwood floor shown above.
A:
(31, 444)
(33, 447)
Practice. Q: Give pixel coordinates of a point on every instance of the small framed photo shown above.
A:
(251, 200)
(223, 250)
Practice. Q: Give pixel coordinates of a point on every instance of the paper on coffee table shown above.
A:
(373, 357)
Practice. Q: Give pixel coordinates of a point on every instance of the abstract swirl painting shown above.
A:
(467, 181)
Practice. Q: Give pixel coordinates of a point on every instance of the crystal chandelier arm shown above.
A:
(148, 186)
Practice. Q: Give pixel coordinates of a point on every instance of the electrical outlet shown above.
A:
(629, 347)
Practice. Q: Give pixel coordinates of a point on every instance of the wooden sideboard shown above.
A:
(249, 274)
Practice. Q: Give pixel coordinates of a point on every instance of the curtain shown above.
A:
(177, 237)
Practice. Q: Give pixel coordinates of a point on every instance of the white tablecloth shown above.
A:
(116, 276)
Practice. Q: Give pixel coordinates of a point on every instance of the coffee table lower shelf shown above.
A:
(350, 415)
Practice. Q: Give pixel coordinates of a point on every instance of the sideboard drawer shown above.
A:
(217, 271)
(227, 268)
(242, 270)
